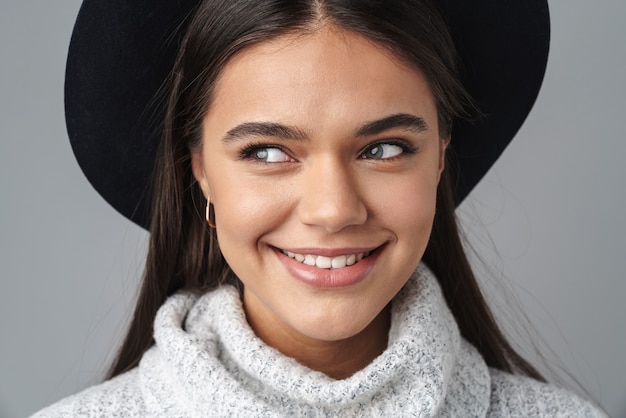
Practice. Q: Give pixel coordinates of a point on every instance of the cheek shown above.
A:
(246, 208)
(406, 202)
(407, 209)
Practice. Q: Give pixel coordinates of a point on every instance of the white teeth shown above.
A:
(338, 262)
(323, 262)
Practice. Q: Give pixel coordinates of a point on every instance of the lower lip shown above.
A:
(329, 278)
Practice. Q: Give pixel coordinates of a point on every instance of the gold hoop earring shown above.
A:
(207, 214)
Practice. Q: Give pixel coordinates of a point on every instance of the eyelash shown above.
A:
(248, 151)
(407, 149)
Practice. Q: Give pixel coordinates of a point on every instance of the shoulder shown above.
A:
(119, 396)
(521, 396)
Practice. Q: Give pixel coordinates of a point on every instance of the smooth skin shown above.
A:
(321, 142)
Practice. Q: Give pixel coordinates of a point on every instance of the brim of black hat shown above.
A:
(121, 53)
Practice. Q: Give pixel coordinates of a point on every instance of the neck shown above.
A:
(337, 359)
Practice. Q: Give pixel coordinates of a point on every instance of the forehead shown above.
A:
(320, 74)
(327, 42)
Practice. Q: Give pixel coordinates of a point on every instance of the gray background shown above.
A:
(553, 207)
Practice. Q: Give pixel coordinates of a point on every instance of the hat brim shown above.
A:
(122, 52)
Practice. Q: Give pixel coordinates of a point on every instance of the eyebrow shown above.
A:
(399, 120)
(264, 129)
(270, 129)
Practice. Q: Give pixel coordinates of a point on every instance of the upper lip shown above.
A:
(329, 252)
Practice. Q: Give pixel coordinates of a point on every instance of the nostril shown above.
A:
(330, 197)
(332, 213)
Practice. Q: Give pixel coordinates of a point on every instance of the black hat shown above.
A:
(122, 51)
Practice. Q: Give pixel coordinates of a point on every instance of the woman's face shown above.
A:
(317, 150)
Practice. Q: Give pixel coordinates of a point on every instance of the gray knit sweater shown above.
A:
(207, 362)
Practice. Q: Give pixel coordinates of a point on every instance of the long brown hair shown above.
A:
(184, 252)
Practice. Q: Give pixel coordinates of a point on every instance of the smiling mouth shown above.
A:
(324, 262)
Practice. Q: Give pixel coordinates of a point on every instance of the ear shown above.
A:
(443, 146)
(197, 167)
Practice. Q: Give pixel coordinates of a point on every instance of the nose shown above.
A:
(330, 197)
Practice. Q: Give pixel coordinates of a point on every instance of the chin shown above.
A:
(336, 327)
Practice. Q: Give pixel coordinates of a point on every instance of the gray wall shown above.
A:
(553, 207)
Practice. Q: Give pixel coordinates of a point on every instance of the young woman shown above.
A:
(304, 258)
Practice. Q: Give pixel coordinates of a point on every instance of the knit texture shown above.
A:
(207, 362)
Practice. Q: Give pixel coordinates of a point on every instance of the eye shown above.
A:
(266, 154)
(382, 151)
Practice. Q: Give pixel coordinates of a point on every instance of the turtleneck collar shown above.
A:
(207, 361)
